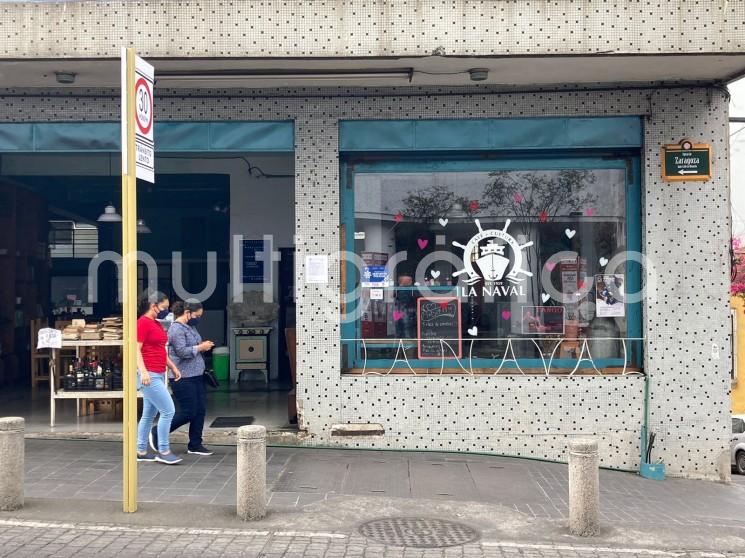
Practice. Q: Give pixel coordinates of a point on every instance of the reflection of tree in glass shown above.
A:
(528, 194)
(434, 202)
(537, 196)
(607, 236)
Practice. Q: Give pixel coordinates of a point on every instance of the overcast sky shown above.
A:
(737, 156)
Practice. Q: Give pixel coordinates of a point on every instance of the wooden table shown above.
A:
(55, 394)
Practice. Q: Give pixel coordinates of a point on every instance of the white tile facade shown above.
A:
(685, 234)
(284, 28)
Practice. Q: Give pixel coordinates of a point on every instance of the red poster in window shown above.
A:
(438, 322)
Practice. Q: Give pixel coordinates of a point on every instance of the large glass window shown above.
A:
(491, 265)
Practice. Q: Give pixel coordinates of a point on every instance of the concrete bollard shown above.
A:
(251, 474)
(11, 463)
(584, 487)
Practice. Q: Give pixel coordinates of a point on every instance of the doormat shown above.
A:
(231, 422)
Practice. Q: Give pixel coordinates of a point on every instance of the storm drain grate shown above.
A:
(418, 532)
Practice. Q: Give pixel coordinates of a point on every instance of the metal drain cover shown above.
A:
(418, 532)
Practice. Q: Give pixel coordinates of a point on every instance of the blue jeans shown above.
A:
(156, 399)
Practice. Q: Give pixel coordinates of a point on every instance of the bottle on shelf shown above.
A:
(80, 379)
(69, 382)
(108, 375)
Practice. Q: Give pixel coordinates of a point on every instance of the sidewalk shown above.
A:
(78, 483)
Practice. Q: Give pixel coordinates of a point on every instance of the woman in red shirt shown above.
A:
(152, 360)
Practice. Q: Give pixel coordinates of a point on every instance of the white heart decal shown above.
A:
(603, 262)
(435, 274)
(545, 297)
(473, 331)
(570, 232)
(444, 222)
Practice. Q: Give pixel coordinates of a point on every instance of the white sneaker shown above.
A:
(201, 450)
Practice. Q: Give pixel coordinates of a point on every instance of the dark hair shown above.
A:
(180, 307)
(149, 298)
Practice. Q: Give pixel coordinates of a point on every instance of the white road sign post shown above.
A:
(142, 91)
(144, 143)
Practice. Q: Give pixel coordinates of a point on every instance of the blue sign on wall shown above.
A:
(253, 269)
(375, 276)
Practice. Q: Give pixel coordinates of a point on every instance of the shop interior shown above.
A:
(565, 225)
(58, 211)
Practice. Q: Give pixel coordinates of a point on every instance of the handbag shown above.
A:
(210, 379)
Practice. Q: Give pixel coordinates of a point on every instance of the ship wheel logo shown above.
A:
(490, 256)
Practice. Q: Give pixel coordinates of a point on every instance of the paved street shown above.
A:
(344, 503)
(297, 477)
(57, 541)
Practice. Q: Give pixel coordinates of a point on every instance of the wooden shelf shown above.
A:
(93, 343)
(94, 394)
(55, 394)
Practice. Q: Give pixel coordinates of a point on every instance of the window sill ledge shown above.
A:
(612, 371)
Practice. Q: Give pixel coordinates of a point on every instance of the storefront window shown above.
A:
(479, 266)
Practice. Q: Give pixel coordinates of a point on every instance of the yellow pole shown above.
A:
(129, 305)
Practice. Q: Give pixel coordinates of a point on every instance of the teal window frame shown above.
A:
(353, 164)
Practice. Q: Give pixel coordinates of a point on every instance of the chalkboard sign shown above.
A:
(253, 269)
(438, 317)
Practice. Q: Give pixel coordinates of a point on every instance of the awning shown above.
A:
(182, 137)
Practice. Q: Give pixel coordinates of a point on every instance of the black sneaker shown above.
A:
(153, 438)
(201, 450)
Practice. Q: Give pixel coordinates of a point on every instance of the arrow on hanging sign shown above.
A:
(686, 161)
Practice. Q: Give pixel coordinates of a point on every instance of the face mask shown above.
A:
(193, 322)
(162, 314)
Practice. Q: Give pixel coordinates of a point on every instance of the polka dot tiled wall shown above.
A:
(528, 416)
(281, 28)
(685, 234)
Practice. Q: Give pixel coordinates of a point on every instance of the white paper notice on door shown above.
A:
(609, 296)
(49, 339)
(317, 269)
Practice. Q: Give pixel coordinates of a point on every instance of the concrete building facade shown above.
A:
(580, 70)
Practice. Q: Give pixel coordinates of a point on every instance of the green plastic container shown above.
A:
(221, 363)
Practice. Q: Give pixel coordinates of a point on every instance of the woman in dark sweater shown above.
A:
(186, 348)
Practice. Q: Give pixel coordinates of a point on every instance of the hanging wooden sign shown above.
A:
(686, 161)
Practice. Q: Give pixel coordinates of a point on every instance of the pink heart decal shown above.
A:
(422, 242)
(550, 266)
(581, 285)
(397, 315)
(590, 211)
(506, 314)
(518, 197)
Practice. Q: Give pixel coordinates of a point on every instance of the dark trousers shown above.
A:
(191, 399)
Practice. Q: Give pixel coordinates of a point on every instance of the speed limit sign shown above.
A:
(144, 107)
(141, 119)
